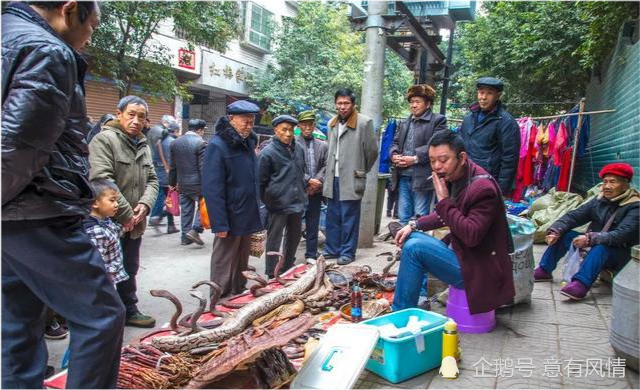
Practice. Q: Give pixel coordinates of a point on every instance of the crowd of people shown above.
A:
(76, 201)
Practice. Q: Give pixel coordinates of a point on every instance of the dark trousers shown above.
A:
(158, 207)
(55, 264)
(312, 222)
(128, 288)
(279, 225)
(189, 213)
(392, 200)
(343, 222)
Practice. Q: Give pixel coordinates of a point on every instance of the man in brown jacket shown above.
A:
(120, 153)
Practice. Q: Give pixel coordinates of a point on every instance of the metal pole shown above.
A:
(447, 73)
(575, 142)
(372, 107)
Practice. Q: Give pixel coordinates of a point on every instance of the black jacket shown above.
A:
(281, 171)
(494, 144)
(45, 165)
(424, 128)
(187, 154)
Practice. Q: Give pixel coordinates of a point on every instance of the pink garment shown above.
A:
(552, 138)
(560, 144)
(525, 130)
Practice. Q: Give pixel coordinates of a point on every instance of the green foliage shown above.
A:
(315, 54)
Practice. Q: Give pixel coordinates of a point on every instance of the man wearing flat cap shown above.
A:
(230, 190)
(283, 186)
(315, 157)
(410, 154)
(613, 230)
(491, 134)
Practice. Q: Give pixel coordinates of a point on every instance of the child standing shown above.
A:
(104, 232)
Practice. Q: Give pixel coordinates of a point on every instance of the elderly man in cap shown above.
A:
(410, 154)
(315, 157)
(187, 154)
(613, 230)
(230, 189)
(281, 171)
(492, 135)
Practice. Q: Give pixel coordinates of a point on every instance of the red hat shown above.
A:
(619, 169)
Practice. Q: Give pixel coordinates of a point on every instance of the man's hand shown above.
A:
(402, 235)
(314, 185)
(408, 161)
(395, 158)
(551, 238)
(581, 241)
(128, 225)
(139, 213)
(440, 187)
(221, 234)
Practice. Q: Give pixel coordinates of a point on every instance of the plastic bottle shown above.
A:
(356, 304)
(450, 340)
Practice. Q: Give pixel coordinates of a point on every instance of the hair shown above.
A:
(450, 138)
(101, 186)
(345, 92)
(196, 124)
(132, 99)
(85, 8)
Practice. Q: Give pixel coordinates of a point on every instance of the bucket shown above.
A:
(458, 309)
(623, 332)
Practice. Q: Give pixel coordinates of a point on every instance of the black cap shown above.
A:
(196, 124)
(490, 82)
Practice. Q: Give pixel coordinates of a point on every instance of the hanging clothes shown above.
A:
(526, 164)
(565, 169)
(560, 144)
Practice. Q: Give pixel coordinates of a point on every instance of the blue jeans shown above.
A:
(343, 222)
(158, 207)
(189, 214)
(422, 253)
(598, 258)
(312, 222)
(410, 202)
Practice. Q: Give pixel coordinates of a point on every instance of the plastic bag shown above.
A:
(571, 264)
(204, 215)
(172, 203)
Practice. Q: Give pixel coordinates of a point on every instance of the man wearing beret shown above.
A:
(613, 230)
(410, 154)
(230, 190)
(283, 192)
(492, 135)
(353, 149)
(315, 157)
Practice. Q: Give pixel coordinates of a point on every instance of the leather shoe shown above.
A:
(140, 320)
(172, 229)
(195, 237)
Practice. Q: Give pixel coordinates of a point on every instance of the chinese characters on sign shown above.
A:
(186, 59)
(227, 72)
(553, 368)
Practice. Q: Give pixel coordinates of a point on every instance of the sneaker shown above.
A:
(172, 229)
(310, 260)
(540, 275)
(195, 237)
(141, 321)
(575, 290)
(186, 241)
(155, 221)
(54, 331)
(345, 260)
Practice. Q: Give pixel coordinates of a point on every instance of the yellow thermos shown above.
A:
(450, 340)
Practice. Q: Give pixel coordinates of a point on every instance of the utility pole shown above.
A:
(372, 90)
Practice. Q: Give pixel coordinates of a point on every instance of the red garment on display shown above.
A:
(526, 167)
(565, 169)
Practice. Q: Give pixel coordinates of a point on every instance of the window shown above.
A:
(258, 26)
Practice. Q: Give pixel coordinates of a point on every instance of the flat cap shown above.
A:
(490, 82)
(283, 118)
(242, 107)
(308, 115)
(195, 124)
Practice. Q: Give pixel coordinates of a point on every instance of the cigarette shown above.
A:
(430, 177)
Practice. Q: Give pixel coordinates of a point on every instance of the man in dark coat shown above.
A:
(492, 135)
(613, 230)
(187, 154)
(315, 157)
(469, 203)
(47, 258)
(410, 154)
(230, 189)
(161, 153)
(281, 171)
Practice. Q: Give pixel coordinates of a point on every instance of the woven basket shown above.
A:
(258, 241)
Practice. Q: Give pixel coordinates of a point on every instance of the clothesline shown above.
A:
(553, 116)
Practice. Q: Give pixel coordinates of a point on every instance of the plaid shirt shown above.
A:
(105, 235)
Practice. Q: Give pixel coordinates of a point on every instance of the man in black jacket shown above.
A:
(410, 154)
(491, 134)
(187, 153)
(613, 230)
(281, 171)
(47, 258)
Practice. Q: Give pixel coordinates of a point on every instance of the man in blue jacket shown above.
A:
(230, 189)
(491, 134)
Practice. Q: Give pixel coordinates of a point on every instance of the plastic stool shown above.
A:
(458, 310)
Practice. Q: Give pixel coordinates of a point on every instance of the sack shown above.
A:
(522, 231)
(258, 244)
(204, 215)
(571, 264)
(172, 203)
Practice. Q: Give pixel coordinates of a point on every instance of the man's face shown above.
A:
(488, 97)
(243, 123)
(284, 132)
(306, 128)
(614, 186)
(445, 163)
(78, 34)
(200, 132)
(133, 119)
(344, 106)
(418, 105)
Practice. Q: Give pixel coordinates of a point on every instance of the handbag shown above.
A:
(204, 215)
(172, 203)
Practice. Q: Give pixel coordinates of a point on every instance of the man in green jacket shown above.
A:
(120, 153)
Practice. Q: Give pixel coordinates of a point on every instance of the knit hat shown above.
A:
(619, 169)
(422, 90)
(308, 115)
